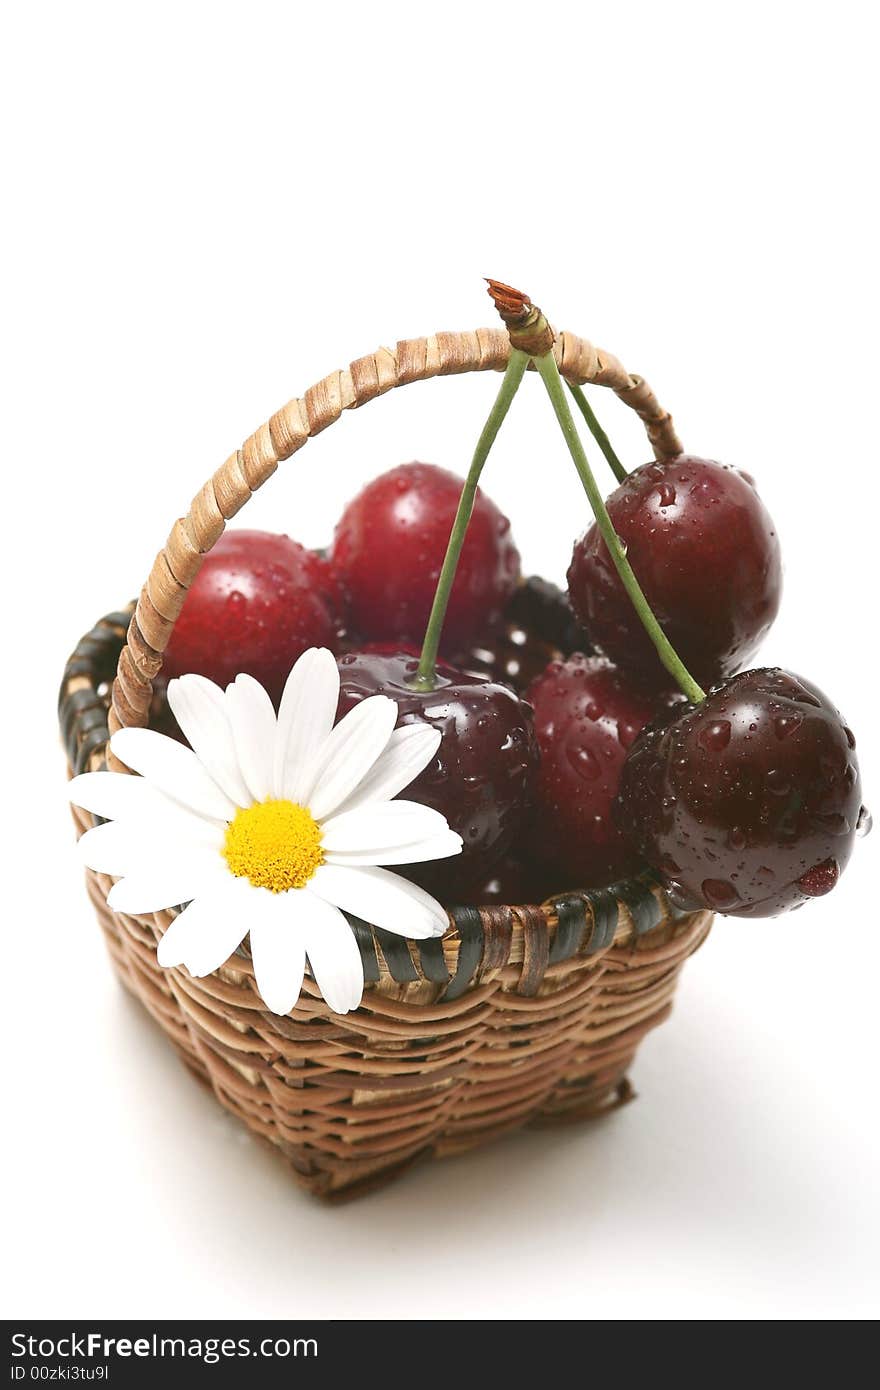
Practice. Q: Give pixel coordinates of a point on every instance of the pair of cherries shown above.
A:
(747, 802)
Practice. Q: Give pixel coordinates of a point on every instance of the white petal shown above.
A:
(254, 730)
(199, 706)
(350, 751)
(380, 897)
(334, 955)
(385, 824)
(167, 882)
(441, 846)
(120, 796)
(133, 847)
(206, 933)
(408, 752)
(305, 718)
(278, 947)
(173, 769)
(109, 849)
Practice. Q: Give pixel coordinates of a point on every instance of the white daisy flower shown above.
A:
(270, 825)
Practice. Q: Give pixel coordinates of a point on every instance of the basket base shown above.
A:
(341, 1140)
(591, 1100)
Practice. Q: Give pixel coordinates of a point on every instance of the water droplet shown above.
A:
(584, 762)
(833, 822)
(627, 733)
(715, 736)
(235, 614)
(656, 778)
(777, 782)
(719, 893)
(786, 724)
(666, 494)
(819, 880)
(850, 737)
(865, 822)
(736, 838)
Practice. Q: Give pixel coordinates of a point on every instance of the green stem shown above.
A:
(549, 372)
(597, 432)
(425, 678)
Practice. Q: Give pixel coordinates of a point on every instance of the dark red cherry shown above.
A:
(510, 654)
(544, 610)
(388, 550)
(482, 776)
(257, 603)
(748, 802)
(587, 714)
(705, 551)
(512, 881)
(537, 627)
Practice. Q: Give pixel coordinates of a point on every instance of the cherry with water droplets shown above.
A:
(537, 627)
(755, 822)
(258, 601)
(587, 714)
(483, 774)
(705, 552)
(388, 550)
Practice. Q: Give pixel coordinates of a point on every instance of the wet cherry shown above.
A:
(706, 554)
(749, 802)
(587, 714)
(482, 777)
(510, 654)
(388, 550)
(537, 626)
(257, 603)
(512, 881)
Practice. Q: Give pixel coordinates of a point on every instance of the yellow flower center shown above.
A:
(275, 844)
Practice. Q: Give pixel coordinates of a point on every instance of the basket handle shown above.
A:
(415, 359)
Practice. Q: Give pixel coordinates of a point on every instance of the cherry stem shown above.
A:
(549, 372)
(425, 678)
(597, 432)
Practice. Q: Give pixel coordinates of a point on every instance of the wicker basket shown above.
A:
(517, 1015)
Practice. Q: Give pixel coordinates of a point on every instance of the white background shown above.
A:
(207, 208)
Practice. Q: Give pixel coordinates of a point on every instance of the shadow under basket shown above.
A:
(520, 1015)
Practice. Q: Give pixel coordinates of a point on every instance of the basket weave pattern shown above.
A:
(517, 1015)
